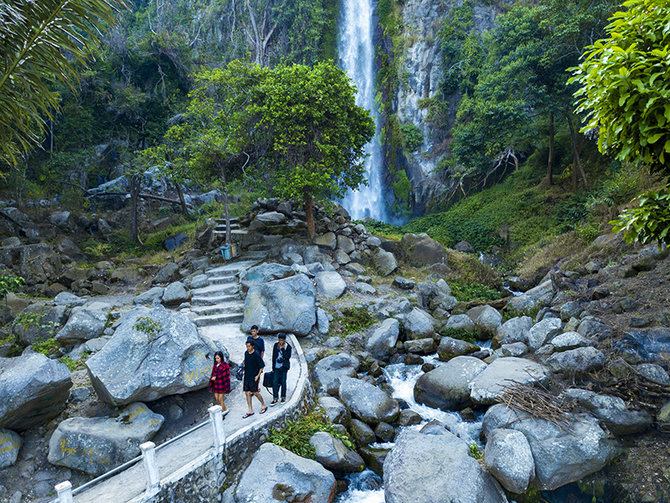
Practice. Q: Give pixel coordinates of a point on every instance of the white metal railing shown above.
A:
(65, 492)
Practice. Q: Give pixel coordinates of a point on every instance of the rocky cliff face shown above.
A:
(420, 72)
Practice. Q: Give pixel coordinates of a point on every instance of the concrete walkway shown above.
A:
(218, 310)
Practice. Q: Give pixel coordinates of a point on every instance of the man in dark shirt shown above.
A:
(258, 341)
(253, 370)
(281, 362)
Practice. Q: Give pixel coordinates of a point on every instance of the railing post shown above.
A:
(216, 419)
(149, 459)
(64, 492)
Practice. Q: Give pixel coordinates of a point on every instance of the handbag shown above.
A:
(268, 379)
(239, 373)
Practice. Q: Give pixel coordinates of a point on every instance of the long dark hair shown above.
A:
(223, 360)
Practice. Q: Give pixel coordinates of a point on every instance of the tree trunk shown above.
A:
(577, 165)
(134, 208)
(182, 201)
(550, 158)
(309, 211)
(224, 188)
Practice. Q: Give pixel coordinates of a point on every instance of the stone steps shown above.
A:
(213, 300)
(219, 319)
(217, 289)
(224, 308)
(222, 280)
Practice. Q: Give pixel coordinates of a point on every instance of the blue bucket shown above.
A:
(227, 252)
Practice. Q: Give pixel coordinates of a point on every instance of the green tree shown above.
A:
(40, 43)
(625, 94)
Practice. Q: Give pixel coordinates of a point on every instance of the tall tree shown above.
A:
(40, 42)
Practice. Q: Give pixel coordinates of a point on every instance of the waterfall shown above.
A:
(356, 53)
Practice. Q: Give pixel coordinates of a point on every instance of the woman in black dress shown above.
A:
(253, 370)
(219, 383)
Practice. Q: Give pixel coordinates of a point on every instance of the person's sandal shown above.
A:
(248, 414)
(263, 410)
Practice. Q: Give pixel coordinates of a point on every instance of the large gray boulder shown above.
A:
(382, 341)
(384, 262)
(543, 331)
(577, 360)
(276, 474)
(175, 293)
(334, 455)
(153, 353)
(418, 324)
(460, 322)
(367, 402)
(450, 347)
(562, 454)
(85, 323)
(97, 444)
(509, 459)
(285, 305)
(263, 273)
(10, 444)
(152, 295)
(330, 284)
(447, 386)
(568, 340)
(329, 371)
(612, 411)
(33, 389)
(487, 319)
(514, 330)
(169, 272)
(423, 468)
(38, 322)
(327, 240)
(489, 386)
(335, 410)
(421, 250)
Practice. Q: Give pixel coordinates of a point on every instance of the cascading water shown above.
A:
(356, 53)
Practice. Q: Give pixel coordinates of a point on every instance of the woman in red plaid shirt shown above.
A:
(219, 383)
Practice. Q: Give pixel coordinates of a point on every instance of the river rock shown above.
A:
(271, 217)
(335, 410)
(541, 332)
(85, 323)
(612, 411)
(151, 296)
(489, 386)
(436, 468)
(562, 455)
(663, 417)
(460, 322)
(276, 474)
(403, 283)
(653, 372)
(570, 309)
(591, 327)
(650, 346)
(330, 284)
(322, 321)
(382, 341)
(334, 455)
(447, 387)
(514, 330)
(450, 347)
(384, 262)
(422, 250)
(423, 346)
(361, 432)
(175, 293)
(487, 320)
(418, 324)
(33, 389)
(10, 444)
(169, 272)
(153, 353)
(509, 459)
(332, 369)
(38, 322)
(97, 444)
(577, 360)
(568, 340)
(514, 349)
(68, 299)
(367, 402)
(345, 244)
(327, 240)
(269, 271)
(285, 305)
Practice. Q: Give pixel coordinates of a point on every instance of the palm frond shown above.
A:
(40, 41)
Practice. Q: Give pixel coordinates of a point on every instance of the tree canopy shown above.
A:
(625, 94)
(36, 36)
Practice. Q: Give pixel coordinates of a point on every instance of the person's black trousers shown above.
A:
(279, 382)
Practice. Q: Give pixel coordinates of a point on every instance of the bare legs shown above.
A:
(257, 395)
(219, 398)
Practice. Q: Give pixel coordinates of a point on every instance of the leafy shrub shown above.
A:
(47, 347)
(412, 138)
(475, 451)
(466, 292)
(73, 364)
(296, 434)
(10, 283)
(354, 319)
(148, 326)
(30, 320)
(462, 334)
